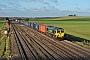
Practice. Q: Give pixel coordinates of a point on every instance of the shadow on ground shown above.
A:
(3, 59)
(74, 38)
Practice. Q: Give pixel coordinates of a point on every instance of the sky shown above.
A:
(44, 8)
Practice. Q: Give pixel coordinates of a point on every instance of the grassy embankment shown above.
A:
(1, 23)
(4, 41)
(77, 26)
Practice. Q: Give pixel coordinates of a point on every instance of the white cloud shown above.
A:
(15, 8)
(43, 1)
(14, 3)
(0, 10)
(29, 0)
(40, 1)
(33, 9)
(43, 9)
(76, 4)
(55, 1)
(88, 9)
(2, 5)
(78, 8)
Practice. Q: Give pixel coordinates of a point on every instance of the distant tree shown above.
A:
(0, 17)
(26, 19)
(74, 15)
(70, 15)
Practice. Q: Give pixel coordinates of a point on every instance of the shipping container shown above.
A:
(42, 28)
(21, 21)
(36, 26)
(27, 23)
(31, 24)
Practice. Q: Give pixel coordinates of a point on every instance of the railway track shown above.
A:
(22, 47)
(42, 47)
(36, 46)
(36, 56)
(18, 43)
(82, 52)
(15, 46)
(74, 55)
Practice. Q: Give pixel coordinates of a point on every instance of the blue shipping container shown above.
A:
(36, 26)
(32, 24)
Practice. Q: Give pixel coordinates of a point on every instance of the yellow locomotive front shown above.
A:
(59, 33)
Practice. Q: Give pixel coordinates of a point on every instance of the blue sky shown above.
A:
(44, 8)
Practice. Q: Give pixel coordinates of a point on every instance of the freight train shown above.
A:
(48, 30)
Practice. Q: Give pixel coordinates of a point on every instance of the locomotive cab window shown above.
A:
(58, 30)
(62, 31)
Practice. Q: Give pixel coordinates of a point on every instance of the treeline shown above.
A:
(2, 18)
(72, 15)
(26, 18)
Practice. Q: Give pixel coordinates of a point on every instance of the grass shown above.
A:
(2, 46)
(4, 41)
(79, 27)
(1, 23)
(7, 52)
(83, 44)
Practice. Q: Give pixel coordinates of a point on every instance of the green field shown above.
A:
(1, 23)
(79, 27)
